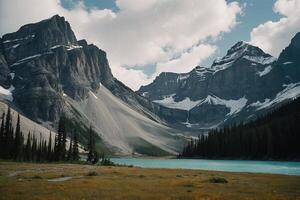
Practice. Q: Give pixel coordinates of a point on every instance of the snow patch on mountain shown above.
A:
(145, 94)
(12, 75)
(219, 67)
(265, 71)
(235, 106)
(6, 93)
(92, 93)
(68, 47)
(71, 47)
(201, 72)
(237, 51)
(291, 91)
(19, 39)
(183, 77)
(241, 50)
(259, 104)
(260, 59)
(186, 104)
(26, 59)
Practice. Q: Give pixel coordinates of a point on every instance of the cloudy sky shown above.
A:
(146, 37)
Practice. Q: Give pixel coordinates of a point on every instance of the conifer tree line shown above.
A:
(273, 136)
(93, 155)
(13, 146)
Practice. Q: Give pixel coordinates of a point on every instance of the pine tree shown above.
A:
(34, 149)
(7, 135)
(44, 151)
(2, 136)
(28, 153)
(70, 151)
(95, 157)
(75, 154)
(18, 145)
(39, 149)
(49, 150)
(61, 145)
(91, 146)
(64, 142)
(56, 148)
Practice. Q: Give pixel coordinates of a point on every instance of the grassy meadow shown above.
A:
(29, 181)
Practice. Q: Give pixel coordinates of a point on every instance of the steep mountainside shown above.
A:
(27, 124)
(45, 72)
(271, 136)
(237, 87)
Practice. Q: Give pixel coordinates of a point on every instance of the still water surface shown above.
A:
(273, 167)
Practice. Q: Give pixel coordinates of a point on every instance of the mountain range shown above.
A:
(242, 85)
(46, 72)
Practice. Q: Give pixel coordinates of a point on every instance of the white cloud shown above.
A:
(271, 36)
(141, 33)
(187, 61)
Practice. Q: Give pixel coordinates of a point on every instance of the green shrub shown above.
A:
(107, 162)
(36, 177)
(92, 173)
(218, 180)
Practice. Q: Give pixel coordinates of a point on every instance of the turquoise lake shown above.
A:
(272, 167)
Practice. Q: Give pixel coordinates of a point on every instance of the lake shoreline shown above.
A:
(248, 166)
(75, 181)
(202, 158)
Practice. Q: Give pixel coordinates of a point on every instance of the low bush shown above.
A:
(92, 173)
(217, 180)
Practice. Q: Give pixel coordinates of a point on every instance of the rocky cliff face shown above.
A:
(45, 72)
(289, 61)
(44, 69)
(237, 87)
(44, 61)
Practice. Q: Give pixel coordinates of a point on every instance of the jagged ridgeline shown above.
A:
(45, 72)
(242, 85)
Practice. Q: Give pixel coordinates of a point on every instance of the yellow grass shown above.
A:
(30, 181)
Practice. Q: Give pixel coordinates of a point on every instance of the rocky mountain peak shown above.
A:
(37, 38)
(243, 51)
(296, 41)
(289, 60)
(242, 48)
(291, 53)
(44, 62)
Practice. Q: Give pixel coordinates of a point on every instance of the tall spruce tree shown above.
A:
(2, 136)
(49, 150)
(18, 145)
(34, 149)
(61, 143)
(28, 148)
(75, 154)
(56, 149)
(91, 146)
(70, 151)
(8, 137)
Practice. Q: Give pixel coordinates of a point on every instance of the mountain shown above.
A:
(47, 72)
(237, 87)
(27, 124)
(272, 136)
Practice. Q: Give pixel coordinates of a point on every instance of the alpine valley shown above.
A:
(46, 72)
